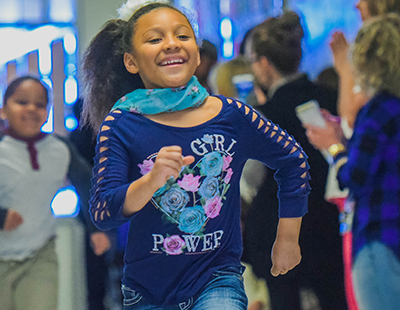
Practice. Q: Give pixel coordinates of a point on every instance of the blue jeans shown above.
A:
(225, 291)
(376, 277)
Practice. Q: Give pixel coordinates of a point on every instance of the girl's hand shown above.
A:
(340, 50)
(323, 138)
(285, 256)
(13, 220)
(169, 163)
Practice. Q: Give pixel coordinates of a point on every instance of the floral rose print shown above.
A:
(212, 207)
(174, 200)
(146, 167)
(208, 139)
(192, 219)
(173, 245)
(227, 161)
(190, 183)
(212, 163)
(209, 187)
(134, 110)
(228, 176)
(195, 196)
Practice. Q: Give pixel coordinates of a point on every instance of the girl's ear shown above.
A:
(130, 63)
(198, 56)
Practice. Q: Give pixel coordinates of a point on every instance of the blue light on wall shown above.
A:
(45, 60)
(49, 125)
(71, 82)
(70, 90)
(40, 39)
(38, 24)
(70, 43)
(226, 34)
(71, 123)
(65, 202)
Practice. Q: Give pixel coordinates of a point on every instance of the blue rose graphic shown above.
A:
(174, 200)
(192, 219)
(209, 187)
(212, 164)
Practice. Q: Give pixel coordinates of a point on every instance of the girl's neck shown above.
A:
(12, 133)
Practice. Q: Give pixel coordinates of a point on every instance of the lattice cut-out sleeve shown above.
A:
(110, 176)
(268, 143)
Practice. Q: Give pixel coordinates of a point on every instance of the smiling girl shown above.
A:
(169, 159)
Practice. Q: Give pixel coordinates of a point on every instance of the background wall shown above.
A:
(223, 22)
(320, 18)
(91, 16)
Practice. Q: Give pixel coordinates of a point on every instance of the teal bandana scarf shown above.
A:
(154, 101)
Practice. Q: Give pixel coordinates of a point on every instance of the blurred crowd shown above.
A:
(350, 237)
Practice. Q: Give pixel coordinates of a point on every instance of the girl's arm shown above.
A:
(286, 250)
(114, 197)
(168, 164)
(268, 143)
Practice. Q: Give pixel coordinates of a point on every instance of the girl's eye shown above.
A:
(155, 40)
(22, 102)
(184, 37)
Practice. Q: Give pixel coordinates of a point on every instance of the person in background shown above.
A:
(235, 78)
(97, 266)
(169, 159)
(33, 166)
(368, 164)
(208, 59)
(350, 97)
(329, 78)
(276, 55)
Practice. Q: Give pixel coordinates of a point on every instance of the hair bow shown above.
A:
(126, 11)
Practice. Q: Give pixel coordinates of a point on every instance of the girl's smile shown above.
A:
(165, 51)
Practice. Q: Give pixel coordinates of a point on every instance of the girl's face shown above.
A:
(362, 6)
(165, 51)
(26, 110)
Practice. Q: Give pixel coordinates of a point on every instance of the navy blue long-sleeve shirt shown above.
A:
(191, 226)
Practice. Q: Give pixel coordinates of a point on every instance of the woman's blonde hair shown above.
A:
(376, 55)
(380, 7)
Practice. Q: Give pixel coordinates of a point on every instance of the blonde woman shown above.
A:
(350, 97)
(369, 164)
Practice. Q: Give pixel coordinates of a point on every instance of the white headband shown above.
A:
(126, 11)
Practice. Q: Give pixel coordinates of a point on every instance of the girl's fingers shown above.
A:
(276, 271)
(187, 160)
(169, 162)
